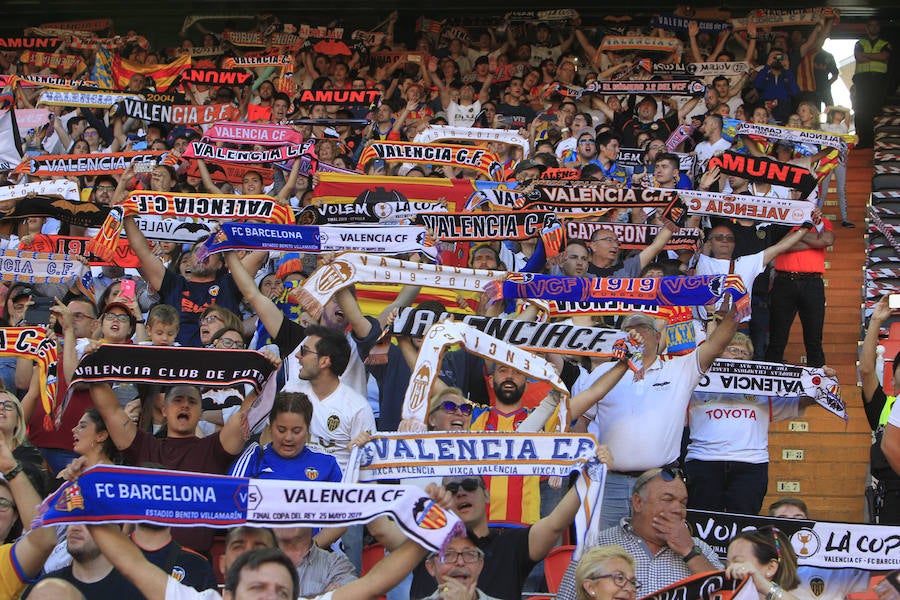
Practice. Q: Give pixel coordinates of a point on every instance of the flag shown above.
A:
(102, 71)
(162, 74)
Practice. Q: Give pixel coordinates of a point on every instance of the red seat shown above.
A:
(371, 554)
(555, 565)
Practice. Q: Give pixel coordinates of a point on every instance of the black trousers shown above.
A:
(788, 298)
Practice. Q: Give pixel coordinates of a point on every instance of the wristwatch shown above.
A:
(9, 475)
(695, 551)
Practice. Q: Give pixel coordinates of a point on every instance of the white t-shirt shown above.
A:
(642, 421)
(705, 150)
(459, 115)
(735, 426)
(178, 591)
(748, 267)
(337, 419)
(835, 584)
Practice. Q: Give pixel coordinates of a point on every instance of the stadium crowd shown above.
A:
(654, 186)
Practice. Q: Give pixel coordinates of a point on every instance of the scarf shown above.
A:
(634, 236)
(465, 157)
(485, 226)
(443, 335)
(673, 87)
(364, 189)
(308, 238)
(77, 246)
(537, 16)
(621, 43)
(52, 81)
(57, 188)
(763, 168)
(191, 19)
(697, 290)
(157, 364)
(81, 98)
(671, 22)
(771, 17)
(818, 543)
(104, 163)
(774, 379)
(385, 213)
(176, 204)
(253, 133)
(39, 267)
(559, 338)
(707, 585)
(760, 208)
(215, 76)
(178, 114)
(346, 98)
(397, 455)
(349, 268)
(678, 137)
(230, 173)
(592, 198)
(258, 38)
(83, 214)
(435, 133)
(86, 25)
(106, 494)
(279, 60)
(29, 43)
(798, 136)
(34, 344)
(175, 229)
(199, 149)
(44, 60)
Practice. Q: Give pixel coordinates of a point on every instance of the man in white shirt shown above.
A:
(712, 139)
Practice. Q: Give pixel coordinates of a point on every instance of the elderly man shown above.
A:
(656, 535)
(456, 570)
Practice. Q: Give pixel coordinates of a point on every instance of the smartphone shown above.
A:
(126, 289)
(39, 312)
(144, 167)
(547, 118)
(894, 301)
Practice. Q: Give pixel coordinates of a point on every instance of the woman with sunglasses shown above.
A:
(606, 573)
(766, 555)
(13, 428)
(449, 411)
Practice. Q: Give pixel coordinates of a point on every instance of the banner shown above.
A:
(348, 268)
(115, 494)
(345, 98)
(774, 379)
(816, 543)
(178, 114)
(253, 133)
(464, 157)
(635, 236)
(215, 76)
(55, 188)
(760, 208)
(308, 238)
(163, 75)
(437, 133)
(485, 226)
(763, 168)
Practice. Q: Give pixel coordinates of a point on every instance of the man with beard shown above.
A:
(90, 572)
(207, 284)
(515, 500)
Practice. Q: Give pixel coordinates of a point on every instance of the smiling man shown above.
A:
(456, 570)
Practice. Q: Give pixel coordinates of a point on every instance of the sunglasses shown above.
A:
(304, 350)
(468, 485)
(450, 406)
(722, 237)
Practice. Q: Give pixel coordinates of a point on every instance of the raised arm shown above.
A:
(151, 267)
(122, 430)
(130, 561)
(715, 344)
(269, 314)
(208, 183)
(582, 401)
(659, 242)
(868, 355)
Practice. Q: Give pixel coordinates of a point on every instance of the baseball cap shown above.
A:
(637, 319)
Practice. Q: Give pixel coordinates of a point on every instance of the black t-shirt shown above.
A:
(184, 565)
(191, 298)
(113, 585)
(880, 466)
(506, 565)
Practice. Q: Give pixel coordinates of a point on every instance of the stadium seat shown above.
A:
(555, 565)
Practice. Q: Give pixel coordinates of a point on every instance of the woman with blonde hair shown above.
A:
(604, 573)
